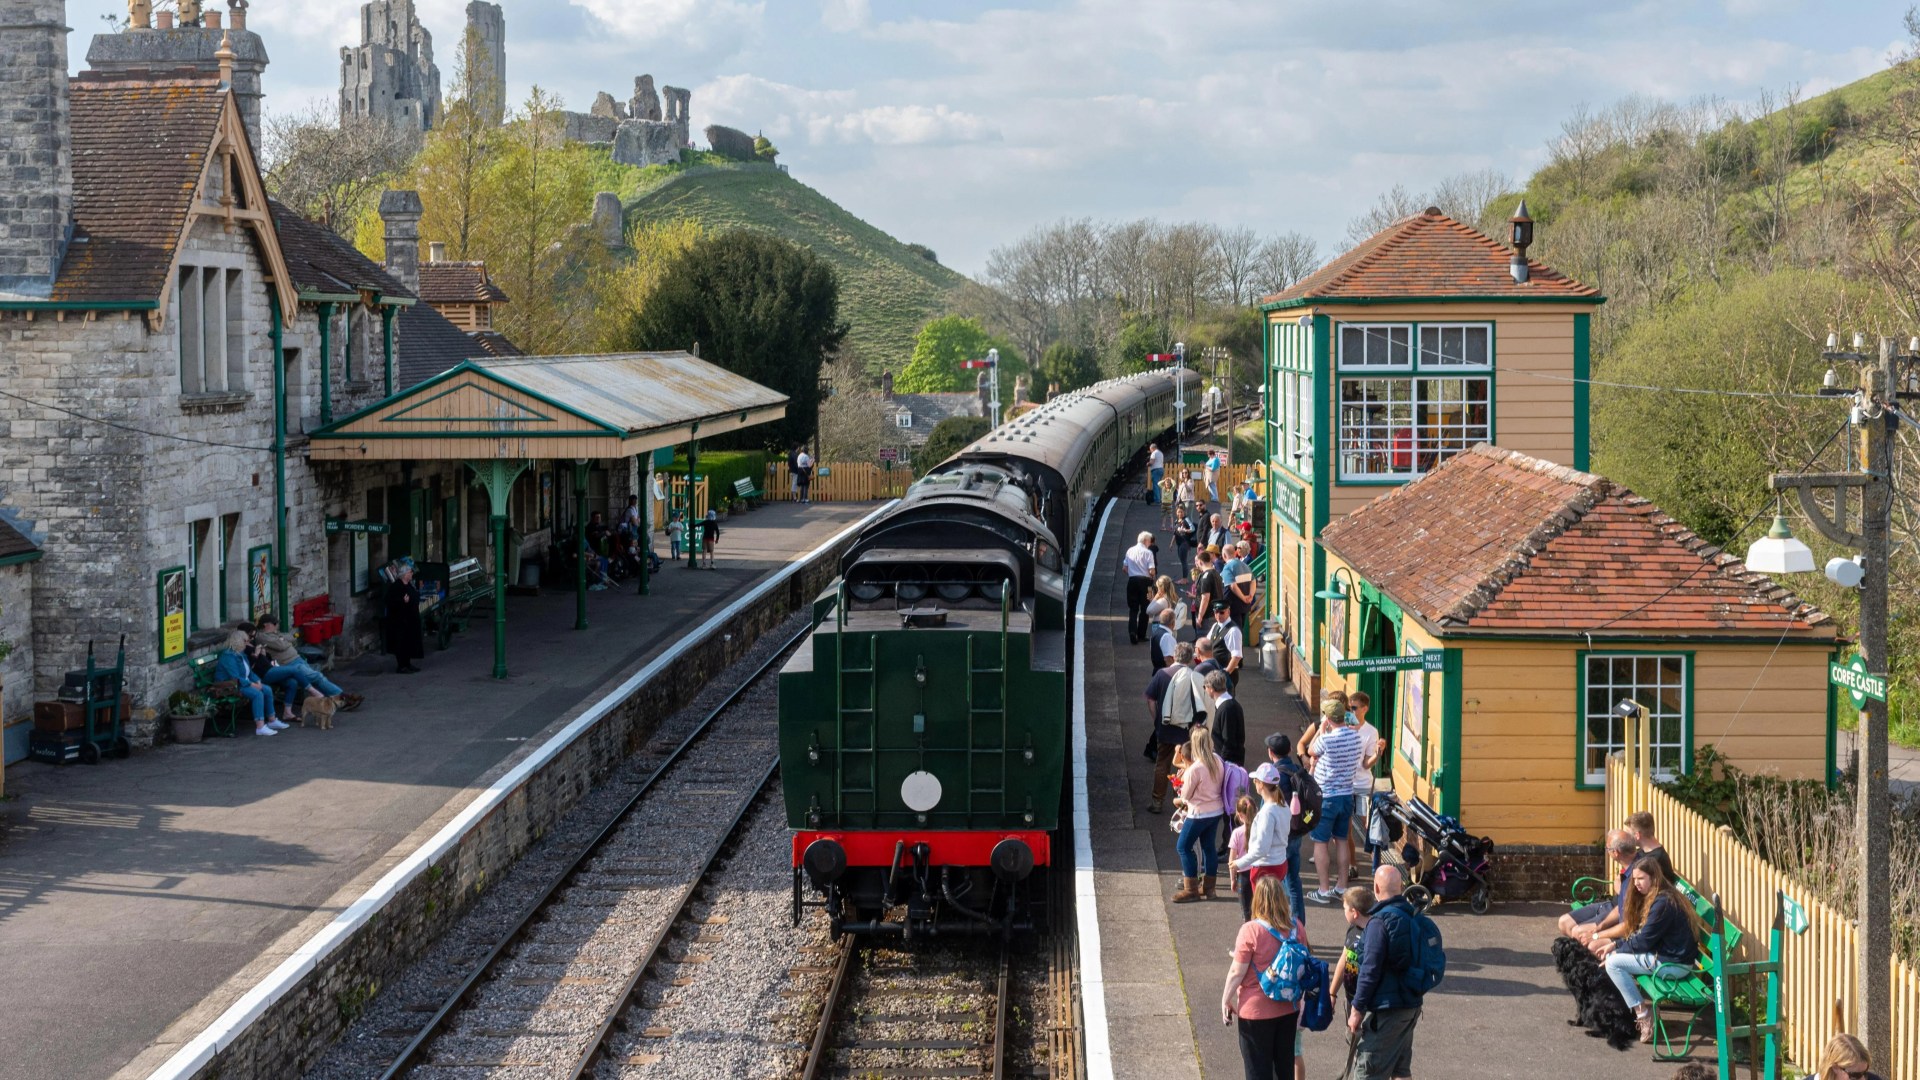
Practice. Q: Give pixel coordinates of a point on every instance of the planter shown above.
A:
(188, 729)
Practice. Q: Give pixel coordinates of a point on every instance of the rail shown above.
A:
(834, 1013)
(413, 1054)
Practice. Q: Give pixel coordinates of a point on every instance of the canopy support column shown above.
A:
(497, 476)
(580, 544)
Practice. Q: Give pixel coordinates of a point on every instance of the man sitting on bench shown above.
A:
(1583, 924)
(291, 676)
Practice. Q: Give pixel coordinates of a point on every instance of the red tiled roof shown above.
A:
(1498, 541)
(138, 151)
(458, 283)
(1428, 255)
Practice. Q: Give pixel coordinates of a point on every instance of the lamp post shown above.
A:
(1874, 412)
(1179, 402)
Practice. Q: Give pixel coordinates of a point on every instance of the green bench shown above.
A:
(224, 710)
(747, 493)
(467, 585)
(1692, 993)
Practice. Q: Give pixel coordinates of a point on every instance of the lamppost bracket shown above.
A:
(1832, 527)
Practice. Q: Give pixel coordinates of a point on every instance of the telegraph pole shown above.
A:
(1874, 413)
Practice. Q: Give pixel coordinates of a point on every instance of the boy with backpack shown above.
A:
(1303, 797)
(1401, 958)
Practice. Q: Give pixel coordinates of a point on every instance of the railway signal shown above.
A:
(991, 363)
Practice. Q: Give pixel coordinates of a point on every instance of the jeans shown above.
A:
(1153, 487)
(293, 680)
(1622, 967)
(1266, 1046)
(1296, 898)
(1200, 830)
(259, 697)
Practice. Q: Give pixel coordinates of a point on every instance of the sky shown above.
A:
(963, 126)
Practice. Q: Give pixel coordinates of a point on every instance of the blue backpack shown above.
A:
(1316, 1004)
(1426, 957)
(1286, 978)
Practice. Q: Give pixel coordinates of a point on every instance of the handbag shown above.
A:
(1178, 819)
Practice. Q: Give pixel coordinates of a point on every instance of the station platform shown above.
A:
(139, 898)
(1501, 1012)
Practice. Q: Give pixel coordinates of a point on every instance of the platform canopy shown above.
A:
(611, 405)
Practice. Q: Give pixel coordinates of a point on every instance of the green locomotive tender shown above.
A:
(923, 725)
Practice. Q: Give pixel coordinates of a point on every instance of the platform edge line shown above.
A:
(1086, 908)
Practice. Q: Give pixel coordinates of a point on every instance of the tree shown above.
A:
(943, 345)
(757, 305)
(331, 171)
(653, 248)
(1283, 260)
(451, 172)
(949, 437)
(1238, 251)
(538, 188)
(1392, 205)
(853, 419)
(1065, 366)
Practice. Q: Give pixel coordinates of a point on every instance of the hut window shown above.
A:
(1658, 681)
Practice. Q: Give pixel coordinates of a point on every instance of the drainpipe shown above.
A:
(386, 344)
(281, 609)
(326, 361)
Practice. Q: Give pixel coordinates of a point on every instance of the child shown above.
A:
(675, 530)
(1358, 902)
(1243, 812)
(710, 532)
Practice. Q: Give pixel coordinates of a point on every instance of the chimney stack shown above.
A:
(401, 211)
(437, 251)
(195, 43)
(36, 175)
(886, 384)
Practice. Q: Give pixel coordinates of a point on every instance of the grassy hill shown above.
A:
(887, 289)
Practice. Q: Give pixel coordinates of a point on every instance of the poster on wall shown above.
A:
(1413, 718)
(546, 499)
(259, 581)
(361, 572)
(1337, 630)
(171, 594)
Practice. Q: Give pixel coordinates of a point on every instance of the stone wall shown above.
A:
(16, 628)
(291, 1034)
(646, 142)
(37, 199)
(730, 142)
(391, 75)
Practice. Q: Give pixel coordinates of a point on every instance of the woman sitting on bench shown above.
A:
(232, 666)
(1663, 938)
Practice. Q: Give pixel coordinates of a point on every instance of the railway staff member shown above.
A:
(1161, 640)
(1227, 643)
(1140, 567)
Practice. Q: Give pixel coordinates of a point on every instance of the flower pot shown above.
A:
(188, 729)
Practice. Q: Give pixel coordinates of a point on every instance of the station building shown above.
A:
(1438, 542)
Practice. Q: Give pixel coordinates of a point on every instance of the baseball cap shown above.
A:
(1279, 744)
(1267, 773)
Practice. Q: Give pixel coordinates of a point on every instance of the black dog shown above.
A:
(1597, 1004)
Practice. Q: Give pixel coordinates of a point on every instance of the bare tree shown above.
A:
(1392, 205)
(1469, 197)
(328, 170)
(1283, 260)
(1239, 253)
(853, 419)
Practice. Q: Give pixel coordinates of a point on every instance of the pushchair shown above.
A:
(1463, 863)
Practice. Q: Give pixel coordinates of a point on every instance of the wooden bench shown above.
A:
(467, 584)
(749, 494)
(224, 710)
(1692, 993)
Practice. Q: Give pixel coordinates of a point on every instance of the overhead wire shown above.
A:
(77, 415)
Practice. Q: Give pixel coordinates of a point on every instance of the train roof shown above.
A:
(1050, 434)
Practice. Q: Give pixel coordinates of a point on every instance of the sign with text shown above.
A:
(888, 453)
(1426, 660)
(1289, 502)
(170, 591)
(338, 525)
(1860, 683)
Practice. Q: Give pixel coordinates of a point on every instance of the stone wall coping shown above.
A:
(202, 1048)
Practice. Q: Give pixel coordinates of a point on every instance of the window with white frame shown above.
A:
(1403, 410)
(903, 419)
(209, 312)
(1292, 408)
(1657, 681)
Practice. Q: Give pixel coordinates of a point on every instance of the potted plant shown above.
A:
(187, 716)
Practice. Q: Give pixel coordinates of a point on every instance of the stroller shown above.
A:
(1463, 864)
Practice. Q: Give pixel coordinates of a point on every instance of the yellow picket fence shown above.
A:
(1817, 967)
(835, 481)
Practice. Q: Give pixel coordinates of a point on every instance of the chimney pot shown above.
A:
(210, 20)
(237, 14)
(163, 19)
(886, 384)
(437, 251)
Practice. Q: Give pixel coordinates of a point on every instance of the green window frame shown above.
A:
(1303, 637)
(1661, 681)
(1293, 412)
(1413, 716)
(1411, 395)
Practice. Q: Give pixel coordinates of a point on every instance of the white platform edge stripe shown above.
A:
(220, 1034)
(1093, 984)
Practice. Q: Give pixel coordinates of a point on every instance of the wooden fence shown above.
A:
(855, 481)
(1817, 967)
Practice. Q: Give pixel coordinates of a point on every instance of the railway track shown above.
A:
(548, 997)
(894, 1012)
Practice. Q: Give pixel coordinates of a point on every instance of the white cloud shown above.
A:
(899, 125)
(845, 16)
(715, 27)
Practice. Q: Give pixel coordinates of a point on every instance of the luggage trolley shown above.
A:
(104, 736)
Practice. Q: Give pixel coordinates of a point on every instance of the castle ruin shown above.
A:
(390, 75)
(650, 128)
(486, 59)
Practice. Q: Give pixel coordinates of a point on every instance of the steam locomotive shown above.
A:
(923, 725)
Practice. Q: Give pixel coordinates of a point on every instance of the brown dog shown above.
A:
(321, 709)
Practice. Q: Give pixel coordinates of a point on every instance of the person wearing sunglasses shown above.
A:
(1845, 1059)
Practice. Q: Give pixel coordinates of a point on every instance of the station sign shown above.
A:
(1859, 683)
(340, 525)
(1425, 660)
(888, 453)
(1289, 501)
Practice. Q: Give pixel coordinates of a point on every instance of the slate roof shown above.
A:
(450, 282)
(139, 147)
(1430, 255)
(929, 409)
(320, 261)
(428, 345)
(1497, 541)
(494, 343)
(14, 540)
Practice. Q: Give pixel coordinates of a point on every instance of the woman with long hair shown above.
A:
(1202, 792)
(1266, 1027)
(1662, 937)
(1845, 1058)
(1163, 596)
(1266, 854)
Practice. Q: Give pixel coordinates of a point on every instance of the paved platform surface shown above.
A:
(133, 891)
(1500, 1013)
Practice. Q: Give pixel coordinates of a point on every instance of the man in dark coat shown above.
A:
(1229, 722)
(404, 638)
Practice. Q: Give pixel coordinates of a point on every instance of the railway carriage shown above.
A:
(923, 725)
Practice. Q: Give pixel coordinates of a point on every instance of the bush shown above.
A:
(949, 437)
(723, 467)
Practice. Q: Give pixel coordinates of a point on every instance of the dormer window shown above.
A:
(903, 419)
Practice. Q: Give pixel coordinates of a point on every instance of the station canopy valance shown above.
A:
(606, 406)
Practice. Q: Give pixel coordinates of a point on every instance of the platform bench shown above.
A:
(223, 709)
(466, 585)
(749, 494)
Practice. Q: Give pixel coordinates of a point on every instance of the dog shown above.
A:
(321, 709)
(1597, 1003)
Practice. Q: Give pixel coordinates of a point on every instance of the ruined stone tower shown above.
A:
(487, 58)
(390, 75)
(143, 47)
(36, 203)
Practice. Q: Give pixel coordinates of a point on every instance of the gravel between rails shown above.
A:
(537, 1014)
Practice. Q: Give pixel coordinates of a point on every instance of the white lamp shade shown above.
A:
(1780, 555)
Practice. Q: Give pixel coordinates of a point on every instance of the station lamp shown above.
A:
(1779, 552)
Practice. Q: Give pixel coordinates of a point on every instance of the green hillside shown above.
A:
(887, 289)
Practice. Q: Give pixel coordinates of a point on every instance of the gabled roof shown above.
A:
(322, 264)
(140, 150)
(495, 343)
(429, 344)
(1427, 256)
(929, 409)
(1496, 541)
(449, 282)
(16, 542)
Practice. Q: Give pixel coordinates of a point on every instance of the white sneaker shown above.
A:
(278, 725)
(265, 731)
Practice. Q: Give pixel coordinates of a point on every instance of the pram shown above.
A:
(1463, 864)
